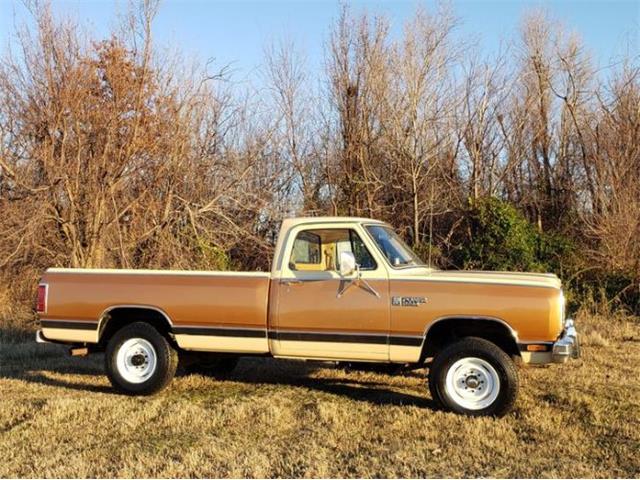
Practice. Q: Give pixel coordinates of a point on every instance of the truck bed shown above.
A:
(224, 310)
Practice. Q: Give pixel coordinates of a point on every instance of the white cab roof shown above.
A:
(292, 222)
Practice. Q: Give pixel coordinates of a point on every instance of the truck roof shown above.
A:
(292, 222)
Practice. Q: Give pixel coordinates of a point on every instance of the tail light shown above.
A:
(41, 303)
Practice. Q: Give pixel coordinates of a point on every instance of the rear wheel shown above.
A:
(139, 360)
(474, 377)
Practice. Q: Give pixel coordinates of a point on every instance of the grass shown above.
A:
(59, 418)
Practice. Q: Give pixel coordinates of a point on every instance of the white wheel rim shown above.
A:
(472, 383)
(136, 360)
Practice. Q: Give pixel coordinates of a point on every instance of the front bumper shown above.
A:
(567, 346)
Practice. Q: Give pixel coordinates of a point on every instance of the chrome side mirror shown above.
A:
(347, 263)
(348, 267)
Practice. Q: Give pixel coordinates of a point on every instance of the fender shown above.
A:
(102, 320)
(514, 334)
(480, 318)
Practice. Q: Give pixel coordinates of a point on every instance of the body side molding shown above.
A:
(69, 324)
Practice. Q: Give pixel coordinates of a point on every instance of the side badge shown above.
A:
(407, 301)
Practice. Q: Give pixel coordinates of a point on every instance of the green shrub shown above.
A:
(422, 250)
(607, 289)
(499, 237)
(212, 257)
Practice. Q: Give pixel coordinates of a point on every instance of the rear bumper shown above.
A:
(40, 338)
(567, 346)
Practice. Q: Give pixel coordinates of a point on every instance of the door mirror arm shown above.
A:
(348, 266)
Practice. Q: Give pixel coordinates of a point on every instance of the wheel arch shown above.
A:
(444, 330)
(117, 316)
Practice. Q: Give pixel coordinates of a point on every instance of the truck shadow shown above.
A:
(43, 379)
(49, 365)
(356, 390)
(87, 374)
(296, 374)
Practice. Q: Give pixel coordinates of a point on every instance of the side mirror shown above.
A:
(347, 263)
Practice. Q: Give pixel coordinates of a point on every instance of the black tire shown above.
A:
(212, 366)
(166, 360)
(474, 348)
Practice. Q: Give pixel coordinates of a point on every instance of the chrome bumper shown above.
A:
(40, 338)
(567, 346)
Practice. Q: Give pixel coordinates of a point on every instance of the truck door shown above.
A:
(320, 314)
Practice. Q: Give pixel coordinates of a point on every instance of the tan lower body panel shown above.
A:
(330, 350)
(404, 353)
(71, 335)
(212, 343)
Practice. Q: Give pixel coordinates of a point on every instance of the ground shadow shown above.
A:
(353, 389)
(297, 374)
(250, 371)
(56, 382)
(43, 364)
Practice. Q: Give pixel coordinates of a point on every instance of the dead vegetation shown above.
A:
(115, 152)
(293, 419)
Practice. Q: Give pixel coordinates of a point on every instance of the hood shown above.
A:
(548, 280)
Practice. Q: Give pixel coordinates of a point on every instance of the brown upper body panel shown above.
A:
(316, 306)
(533, 313)
(188, 299)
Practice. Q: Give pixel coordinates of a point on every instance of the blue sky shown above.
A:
(237, 32)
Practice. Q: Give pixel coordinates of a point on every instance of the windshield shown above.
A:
(393, 247)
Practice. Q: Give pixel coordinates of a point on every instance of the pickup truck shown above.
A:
(340, 289)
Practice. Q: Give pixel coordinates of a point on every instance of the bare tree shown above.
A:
(359, 75)
(612, 217)
(418, 111)
(115, 153)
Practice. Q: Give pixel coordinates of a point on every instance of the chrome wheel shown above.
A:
(136, 360)
(472, 383)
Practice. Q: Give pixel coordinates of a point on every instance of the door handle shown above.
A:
(290, 283)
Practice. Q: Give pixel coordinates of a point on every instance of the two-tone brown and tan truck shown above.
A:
(340, 289)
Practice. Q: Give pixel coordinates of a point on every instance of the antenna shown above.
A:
(430, 225)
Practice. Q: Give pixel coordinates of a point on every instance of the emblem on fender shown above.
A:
(407, 301)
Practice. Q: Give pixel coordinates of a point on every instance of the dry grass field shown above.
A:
(59, 418)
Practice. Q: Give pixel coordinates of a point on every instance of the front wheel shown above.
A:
(139, 360)
(474, 377)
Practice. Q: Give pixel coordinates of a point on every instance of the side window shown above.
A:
(306, 253)
(363, 257)
(319, 250)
